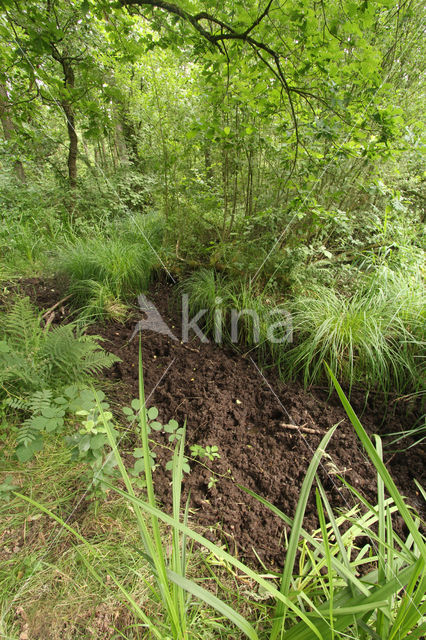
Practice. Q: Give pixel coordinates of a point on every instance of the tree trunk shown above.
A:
(208, 162)
(8, 128)
(69, 80)
(73, 143)
(120, 145)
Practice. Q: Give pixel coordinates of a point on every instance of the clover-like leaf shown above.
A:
(152, 413)
(138, 467)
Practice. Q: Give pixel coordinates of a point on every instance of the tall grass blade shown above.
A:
(281, 610)
(381, 469)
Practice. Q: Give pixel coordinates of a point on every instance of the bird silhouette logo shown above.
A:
(153, 320)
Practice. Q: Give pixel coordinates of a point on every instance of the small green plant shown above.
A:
(175, 432)
(212, 482)
(46, 416)
(198, 451)
(89, 443)
(172, 428)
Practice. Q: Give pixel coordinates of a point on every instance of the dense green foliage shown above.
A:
(206, 138)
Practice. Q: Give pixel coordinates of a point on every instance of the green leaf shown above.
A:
(98, 441)
(53, 412)
(84, 444)
(25, 453)
(152, 413)
(138, 466)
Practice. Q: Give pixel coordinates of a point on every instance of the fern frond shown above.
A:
(27, 433)
(32, 359)
(74, 356)
(18, 403)
(20, 326)
(40, 400)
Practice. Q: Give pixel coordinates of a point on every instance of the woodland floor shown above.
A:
(253, 419)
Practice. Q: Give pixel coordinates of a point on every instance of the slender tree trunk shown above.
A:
(225, 175)
(208, 162)
(120, 144)
(8, 128)
(103, 155)
(131, 139)
(69, 81)
(73, 144)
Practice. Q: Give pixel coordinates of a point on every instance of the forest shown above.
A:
(212, 320)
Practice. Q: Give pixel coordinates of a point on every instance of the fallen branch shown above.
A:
(49, 321)
(303, 428)
(49, 311)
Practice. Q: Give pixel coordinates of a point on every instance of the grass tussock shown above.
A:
(373, 339)
(106, 272)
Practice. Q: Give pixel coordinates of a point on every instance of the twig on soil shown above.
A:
(49, 311)
(49, 321)
(302, 427)
(185, 346)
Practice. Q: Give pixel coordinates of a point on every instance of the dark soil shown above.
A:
(266, 431)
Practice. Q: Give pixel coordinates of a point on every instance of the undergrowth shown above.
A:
(34, 358)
